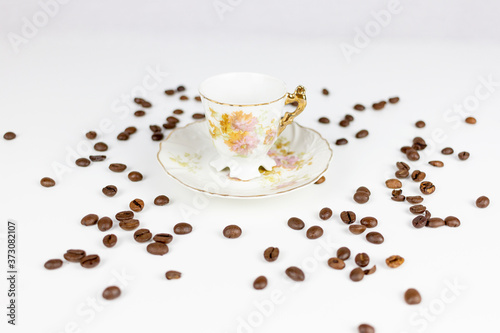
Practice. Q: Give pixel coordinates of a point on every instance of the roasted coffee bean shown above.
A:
(161, 200)
(482, 202)
(295, 273)
(343, 253)
(155, 128)
(169, 125)
(104, 223)
(101, 146)
(349, 117)
(124, 215)
(405, 149)
(437, 164)
(135, 176)
(357, 229)
(325, 213)
(173, 275)
(325, 91)
(359, 107)
(182, 228)
(470, 120)
(419, 143)
(97, 158)
(176, 111)
(371, 270)
(361, 197)
(117, 167)
(416, 199)
(369, 222)
(123, 136)
(181, 88)
(197, 98)
(375, 237)
(47, 182)
(362, 259)
(136, 205)
(418, 209)
(53, 264)
(89, 219)
(271, 254)
(362, 134)
(398, 198)
(172, 119)
(344, 123)
(348, 217)
(140, 113)
(420, 124)
(146, 105)
(463, 156)
(138, 100)
(336, 263)
(91, 135)
(232, 231)
(130, 130)
(82, 162)
(427, 215)
(170, 92)
(198, 116)
(412, 296)
(418, 175)
(110, 240)
(365, 328)
(393, 100)
(402, 166)
(357, 274)
(314, 232)
(320, 181)
(90, 261)
(397, 192)
(111, 293)
(110, 190)
(324, 120)
(378, 106)
(394, 261)
(341, 142)
(74, 255)
(452, 221)
(412, 154)
(142, 235)
(129, 225)
(435, 222)
(402, 173)
(163, 238)
(296, 223)
(419, 221)
(447, 151)
(393, 183)
(427, 187)
(260, 283)
(157, 249)
(157, 137)
(363, 189)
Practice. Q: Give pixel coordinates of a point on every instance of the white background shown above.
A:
(89, 59)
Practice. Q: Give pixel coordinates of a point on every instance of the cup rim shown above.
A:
(239, 105)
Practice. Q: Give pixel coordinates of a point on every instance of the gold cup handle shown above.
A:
(298, 96)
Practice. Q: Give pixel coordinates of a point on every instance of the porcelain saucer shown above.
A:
(302, 156)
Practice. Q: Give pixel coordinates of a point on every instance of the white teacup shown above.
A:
(244, 115)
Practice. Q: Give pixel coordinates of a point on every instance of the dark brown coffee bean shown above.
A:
(420, 124)
(402, 173)
(362, 134)
(320, 181)
(412, 154)
(419, 143)
(170, 92)
(336, 263)
(393, 183)
(295, 273)
(47, 182)
(418, 209)
(378, 106)
(53, 264)
(157, 137)
(82, 162)
(182, 228)
(136, 205)
(427, 187)
(146, 105)
(111, 293)
(129, 225)
(361, 197)
(416, 199)
(393, 100)
(412, 296)
(271, 254)
(394, 261)
(324, 120)
(418, 175)
(349, 117)
(369, 222)
(397, 192)
(117, 167)
(124, 215)
(341, 142)
(232, 231)
(427, 215)
(197, 98)
(463, 156)
(142, 235)
(161, 200)
(363, 189)
(110, 190)
(357, 229)
(296, 223)
(325, 92)
(97, 158)
(140, 113)
(435, 222)
(181, 88)
(357, 274)
(314, 232)
(359, 107)
(155, 128)
(74, 255)
(130, 130)
(169, 125)
(173, 275)
(470, 120)
(260, 283)
(402, 166)
(101, 146)
(348, 217)
(375, 237)
(482, 202)
(135, 176)
(419, 221)
(343, 253)
(198, 116)
(104, 223)
(172, 119)
(157, 249)
(90, 261)
(138, 100)
(371, 270)
(452, 221)
(365, 328)
(344, 123)
(398, 198)
(405, 149)
(110, 240)
(437, 164)
(325, 213)
(123, 136)
(362, 259)
(89, 219)
(447, 151)
(91, 135)
(177, 111)
(163, 238)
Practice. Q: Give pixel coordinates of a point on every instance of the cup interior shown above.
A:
(243, 88)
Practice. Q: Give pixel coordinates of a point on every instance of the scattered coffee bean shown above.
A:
(405, 149)
(101, 146)
(343, 253)
(336, 263)
(419, 143)
(104, 223)
(295, 273)
(463, 156)
(111, 293)
(362, 134)
(82, 162)
(420, 124)
(232, 231)
(117, 167)
(124, 215)
(365, 328)
(348, 217)
(394, 261)
(419, 221)
(375, 237)
(90, 261)
(470, 120)
(349, 117)
(418, 175)
(157, 137)
(173, 275)
(170, 92)
(369, 222)
(325, 92)
(412, 154)
(378, 106)
(437, 164)
(260, 283)
(314, 232)
(362, 259)
(74, 255)
(181, 88)
(169, 125)
(402, 166)
(427, 187)
(344, 123)
(89, 219)
(341, 142)
(135, 176)
(397, 192)
(398, 198)
(157, 249)
(130, 130)
(161, 200)
(129, 225)
(155, 128)
(357, 229)
(183, 228)
(110, 240)
(361, 197)
(138, 100)
(142, 235)
(146, 105)
(163, 238)
(482, 202)
(110, 190)
(271, 254)
(136, 205)
(140, 113)
(123, 136)
(363, 189)
(447, 151)
(371, 270)
(412, 296)
(416, 199)
(47, 182)
(435, 222)
(296, 223)
(324, 120)
(53, 264)
(172, 119)
(198, 116)
(357, 274)
(359, 107)
(393, 100)
(393, 183)
(452, 221)
(325, 213)
(320, 181)
(176, 111)
(418, 209)
(197, 98)
(402, 173)
(91, 135)
(97, 158)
